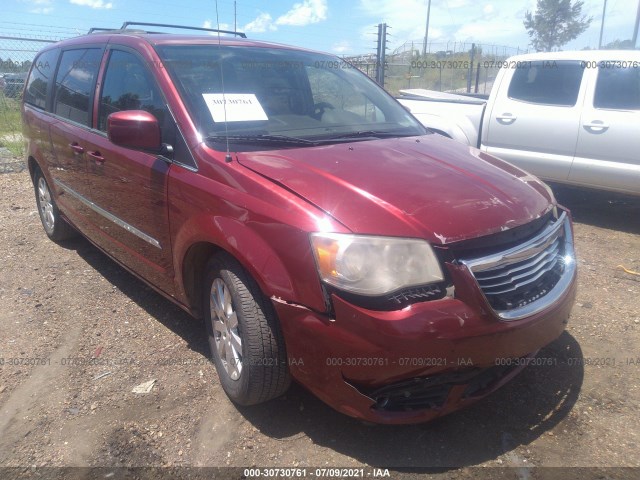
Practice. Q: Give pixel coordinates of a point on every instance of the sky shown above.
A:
(343, 27)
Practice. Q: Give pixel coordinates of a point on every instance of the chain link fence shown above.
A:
(16, 55)
(457, 67)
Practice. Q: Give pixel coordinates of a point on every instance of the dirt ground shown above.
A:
(79, 332)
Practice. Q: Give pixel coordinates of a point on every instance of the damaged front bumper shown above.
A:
(433, 357)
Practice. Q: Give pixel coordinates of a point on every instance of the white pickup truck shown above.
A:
(569, 117)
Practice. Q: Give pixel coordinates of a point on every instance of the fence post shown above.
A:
(473, 53)
(379, 53)
(383, 54)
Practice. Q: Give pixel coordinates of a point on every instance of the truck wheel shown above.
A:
(245, 339)
(56, 227)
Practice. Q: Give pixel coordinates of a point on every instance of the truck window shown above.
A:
(617, 87)
(43, 68)
(74, 84)
(547, 83)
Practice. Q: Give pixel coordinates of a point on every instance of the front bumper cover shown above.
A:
(444, 354)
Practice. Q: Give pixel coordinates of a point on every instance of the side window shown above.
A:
(128, 85)
(39, 79)
(547, 83)
(74, 84)
(617, 88)
(339, 100)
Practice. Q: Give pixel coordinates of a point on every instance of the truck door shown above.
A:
(534, 121)
(609, 134)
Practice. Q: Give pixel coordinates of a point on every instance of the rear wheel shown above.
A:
(56, 228)
(244, 334)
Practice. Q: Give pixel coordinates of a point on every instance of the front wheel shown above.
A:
(56, 228)
(245, 339)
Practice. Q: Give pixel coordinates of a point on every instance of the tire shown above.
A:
(56, 227)
(245, 339)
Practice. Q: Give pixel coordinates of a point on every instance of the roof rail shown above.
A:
(98, 29)
(126, 24)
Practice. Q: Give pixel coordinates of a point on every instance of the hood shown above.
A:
(426, 187)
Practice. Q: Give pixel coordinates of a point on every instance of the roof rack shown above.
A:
(126, 24)
(117, 30)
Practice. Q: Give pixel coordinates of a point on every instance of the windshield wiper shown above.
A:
(261, 138)
(366, 134)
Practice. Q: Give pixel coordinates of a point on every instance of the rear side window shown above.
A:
(547, 83)
(40, 77)
(617, 88)
(74, 84)
(128, 85)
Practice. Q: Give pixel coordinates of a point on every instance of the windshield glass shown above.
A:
(283, 97)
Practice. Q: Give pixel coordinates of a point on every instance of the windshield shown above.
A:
(283, 97)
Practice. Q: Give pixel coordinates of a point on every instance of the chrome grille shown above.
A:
(525, 279)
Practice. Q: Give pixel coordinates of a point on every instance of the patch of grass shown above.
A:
(11, 126)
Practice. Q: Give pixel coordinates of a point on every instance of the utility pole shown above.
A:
(604, 11)
(383, 50)
(235, 17)
(635, 30)
(426, 31)
(381, 54)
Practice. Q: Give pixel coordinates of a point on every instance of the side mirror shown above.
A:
(134, 129)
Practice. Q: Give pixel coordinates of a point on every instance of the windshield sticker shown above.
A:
(240, 107)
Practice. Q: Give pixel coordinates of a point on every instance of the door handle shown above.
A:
(97, 156)
(76, 148)
(506, 118)
(596, 126)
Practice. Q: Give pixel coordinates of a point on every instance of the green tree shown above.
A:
(555, 23)
(619, 45)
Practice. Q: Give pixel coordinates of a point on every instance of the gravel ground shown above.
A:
(79, 332)
(9, 163)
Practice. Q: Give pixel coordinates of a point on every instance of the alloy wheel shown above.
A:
(46, 205)
(225, 329)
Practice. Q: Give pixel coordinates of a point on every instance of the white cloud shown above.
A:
(489, 22)
(210, 24)
(495, 30)
(301, 14)
(40, 6)
(97, 4)
(305, 13)
(343, 46)
(262, 23)
(43, 10)
(406, 18)
(458, 3)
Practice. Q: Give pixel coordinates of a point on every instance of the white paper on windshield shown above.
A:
(240, 107)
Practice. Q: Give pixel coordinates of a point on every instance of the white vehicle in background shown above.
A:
(569, 117)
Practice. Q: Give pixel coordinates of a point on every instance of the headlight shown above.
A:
(369, 265)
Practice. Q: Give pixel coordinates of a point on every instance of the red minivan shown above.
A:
(322, 233)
